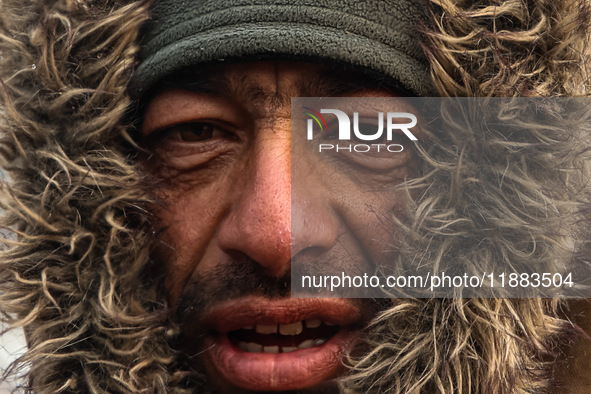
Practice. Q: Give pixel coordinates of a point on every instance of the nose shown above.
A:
(266, 222)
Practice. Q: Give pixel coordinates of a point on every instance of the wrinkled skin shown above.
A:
(225, 148)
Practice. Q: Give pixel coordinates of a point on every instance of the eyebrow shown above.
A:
(330, 82)
(337, 82)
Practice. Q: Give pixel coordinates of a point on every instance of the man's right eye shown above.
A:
(191, 144)
(193, 132)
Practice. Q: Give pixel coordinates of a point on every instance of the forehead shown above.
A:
(282, 80)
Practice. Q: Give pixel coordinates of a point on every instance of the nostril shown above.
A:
(244, 233)
(309, 251)
(314, 229)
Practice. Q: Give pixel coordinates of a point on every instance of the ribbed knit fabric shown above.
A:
(377, 36)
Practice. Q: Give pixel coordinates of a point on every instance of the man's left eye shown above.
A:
(369, 129)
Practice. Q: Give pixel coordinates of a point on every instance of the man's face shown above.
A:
(222, 145)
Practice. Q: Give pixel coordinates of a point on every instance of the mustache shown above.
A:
(226, 281)
(232, 279)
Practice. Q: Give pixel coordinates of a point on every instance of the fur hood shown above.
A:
(75, 268)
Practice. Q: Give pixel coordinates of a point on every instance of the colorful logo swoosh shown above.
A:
(316, 115)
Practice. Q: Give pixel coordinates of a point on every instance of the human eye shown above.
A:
(194, 143)
(370, 149)
(189, 130)
(368, 129)
(195, 132)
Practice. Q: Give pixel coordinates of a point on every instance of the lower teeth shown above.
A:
(252, 347)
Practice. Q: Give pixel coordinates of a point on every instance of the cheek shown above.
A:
(370, 218)
(369, 207)
(360, 203)
(188, 226)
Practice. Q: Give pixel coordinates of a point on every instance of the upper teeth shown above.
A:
(286, 329)
(313, 323)
(291, 329)
(295, 328)
(266, 328)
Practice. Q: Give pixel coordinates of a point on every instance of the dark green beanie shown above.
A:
(378, 36)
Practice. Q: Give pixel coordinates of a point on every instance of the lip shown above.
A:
(300, 369)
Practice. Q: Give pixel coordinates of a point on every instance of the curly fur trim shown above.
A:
(75, 203)
(71, 278)
(509, 47)
(491, 195)
(458, 346)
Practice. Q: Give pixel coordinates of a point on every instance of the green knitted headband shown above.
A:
(376, 35)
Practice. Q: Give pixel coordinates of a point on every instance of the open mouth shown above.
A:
(273, 345)
(283, 338)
